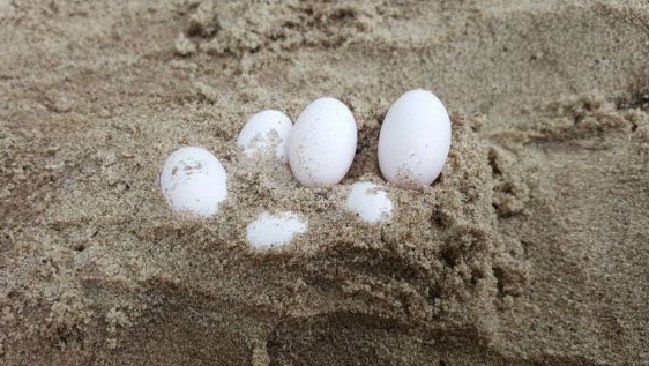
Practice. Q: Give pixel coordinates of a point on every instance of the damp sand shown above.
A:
(531, 248)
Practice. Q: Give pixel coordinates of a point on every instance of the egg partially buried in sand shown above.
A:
(275, 230)
(414, 140)
(266, 132)
(193, 182)
(370, 202)
(323, 141)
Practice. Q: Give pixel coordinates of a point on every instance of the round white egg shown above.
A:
(415, 139)
(275, 230)
(266, 132)
(193, 182)
(322, 145)
(370, 202)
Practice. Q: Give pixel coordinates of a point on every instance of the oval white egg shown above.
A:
(415, 139)
(323, 141)
(275, 230)
(266, 132)
(193, 182)
(370, 202)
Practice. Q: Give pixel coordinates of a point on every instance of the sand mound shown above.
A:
(531, 248)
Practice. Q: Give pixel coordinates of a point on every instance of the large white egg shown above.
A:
(370, 202)
(266, 132)
(414, 140)
(323, 141)
(193, 182)
(275, 230)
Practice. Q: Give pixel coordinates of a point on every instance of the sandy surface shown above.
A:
(531, 249)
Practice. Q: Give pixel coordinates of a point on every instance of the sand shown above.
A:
(532, 248)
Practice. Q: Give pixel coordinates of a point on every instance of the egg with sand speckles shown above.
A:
(271, 230)
(193, 182)
(266, 132)
(322, 144)
(370, 202)
(415, 139)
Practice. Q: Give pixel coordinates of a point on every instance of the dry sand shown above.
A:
(531, 249)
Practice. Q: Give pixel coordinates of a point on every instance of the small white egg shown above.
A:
(322, 145)
(275, 230)
(370, 202)
(414, 140)
(266, 132)
(193, 182)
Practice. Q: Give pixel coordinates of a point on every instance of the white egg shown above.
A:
(266, 132)
(322, 145)
(414, 140)
(370, 202)
(275, 230)
(193, 182)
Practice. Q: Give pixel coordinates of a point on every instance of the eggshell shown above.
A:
(193, 182)
(266, 132)
(323, 143)
(414, 140)
(275, 230)
(370, 202)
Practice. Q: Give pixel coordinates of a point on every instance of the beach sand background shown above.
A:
(532, 248)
